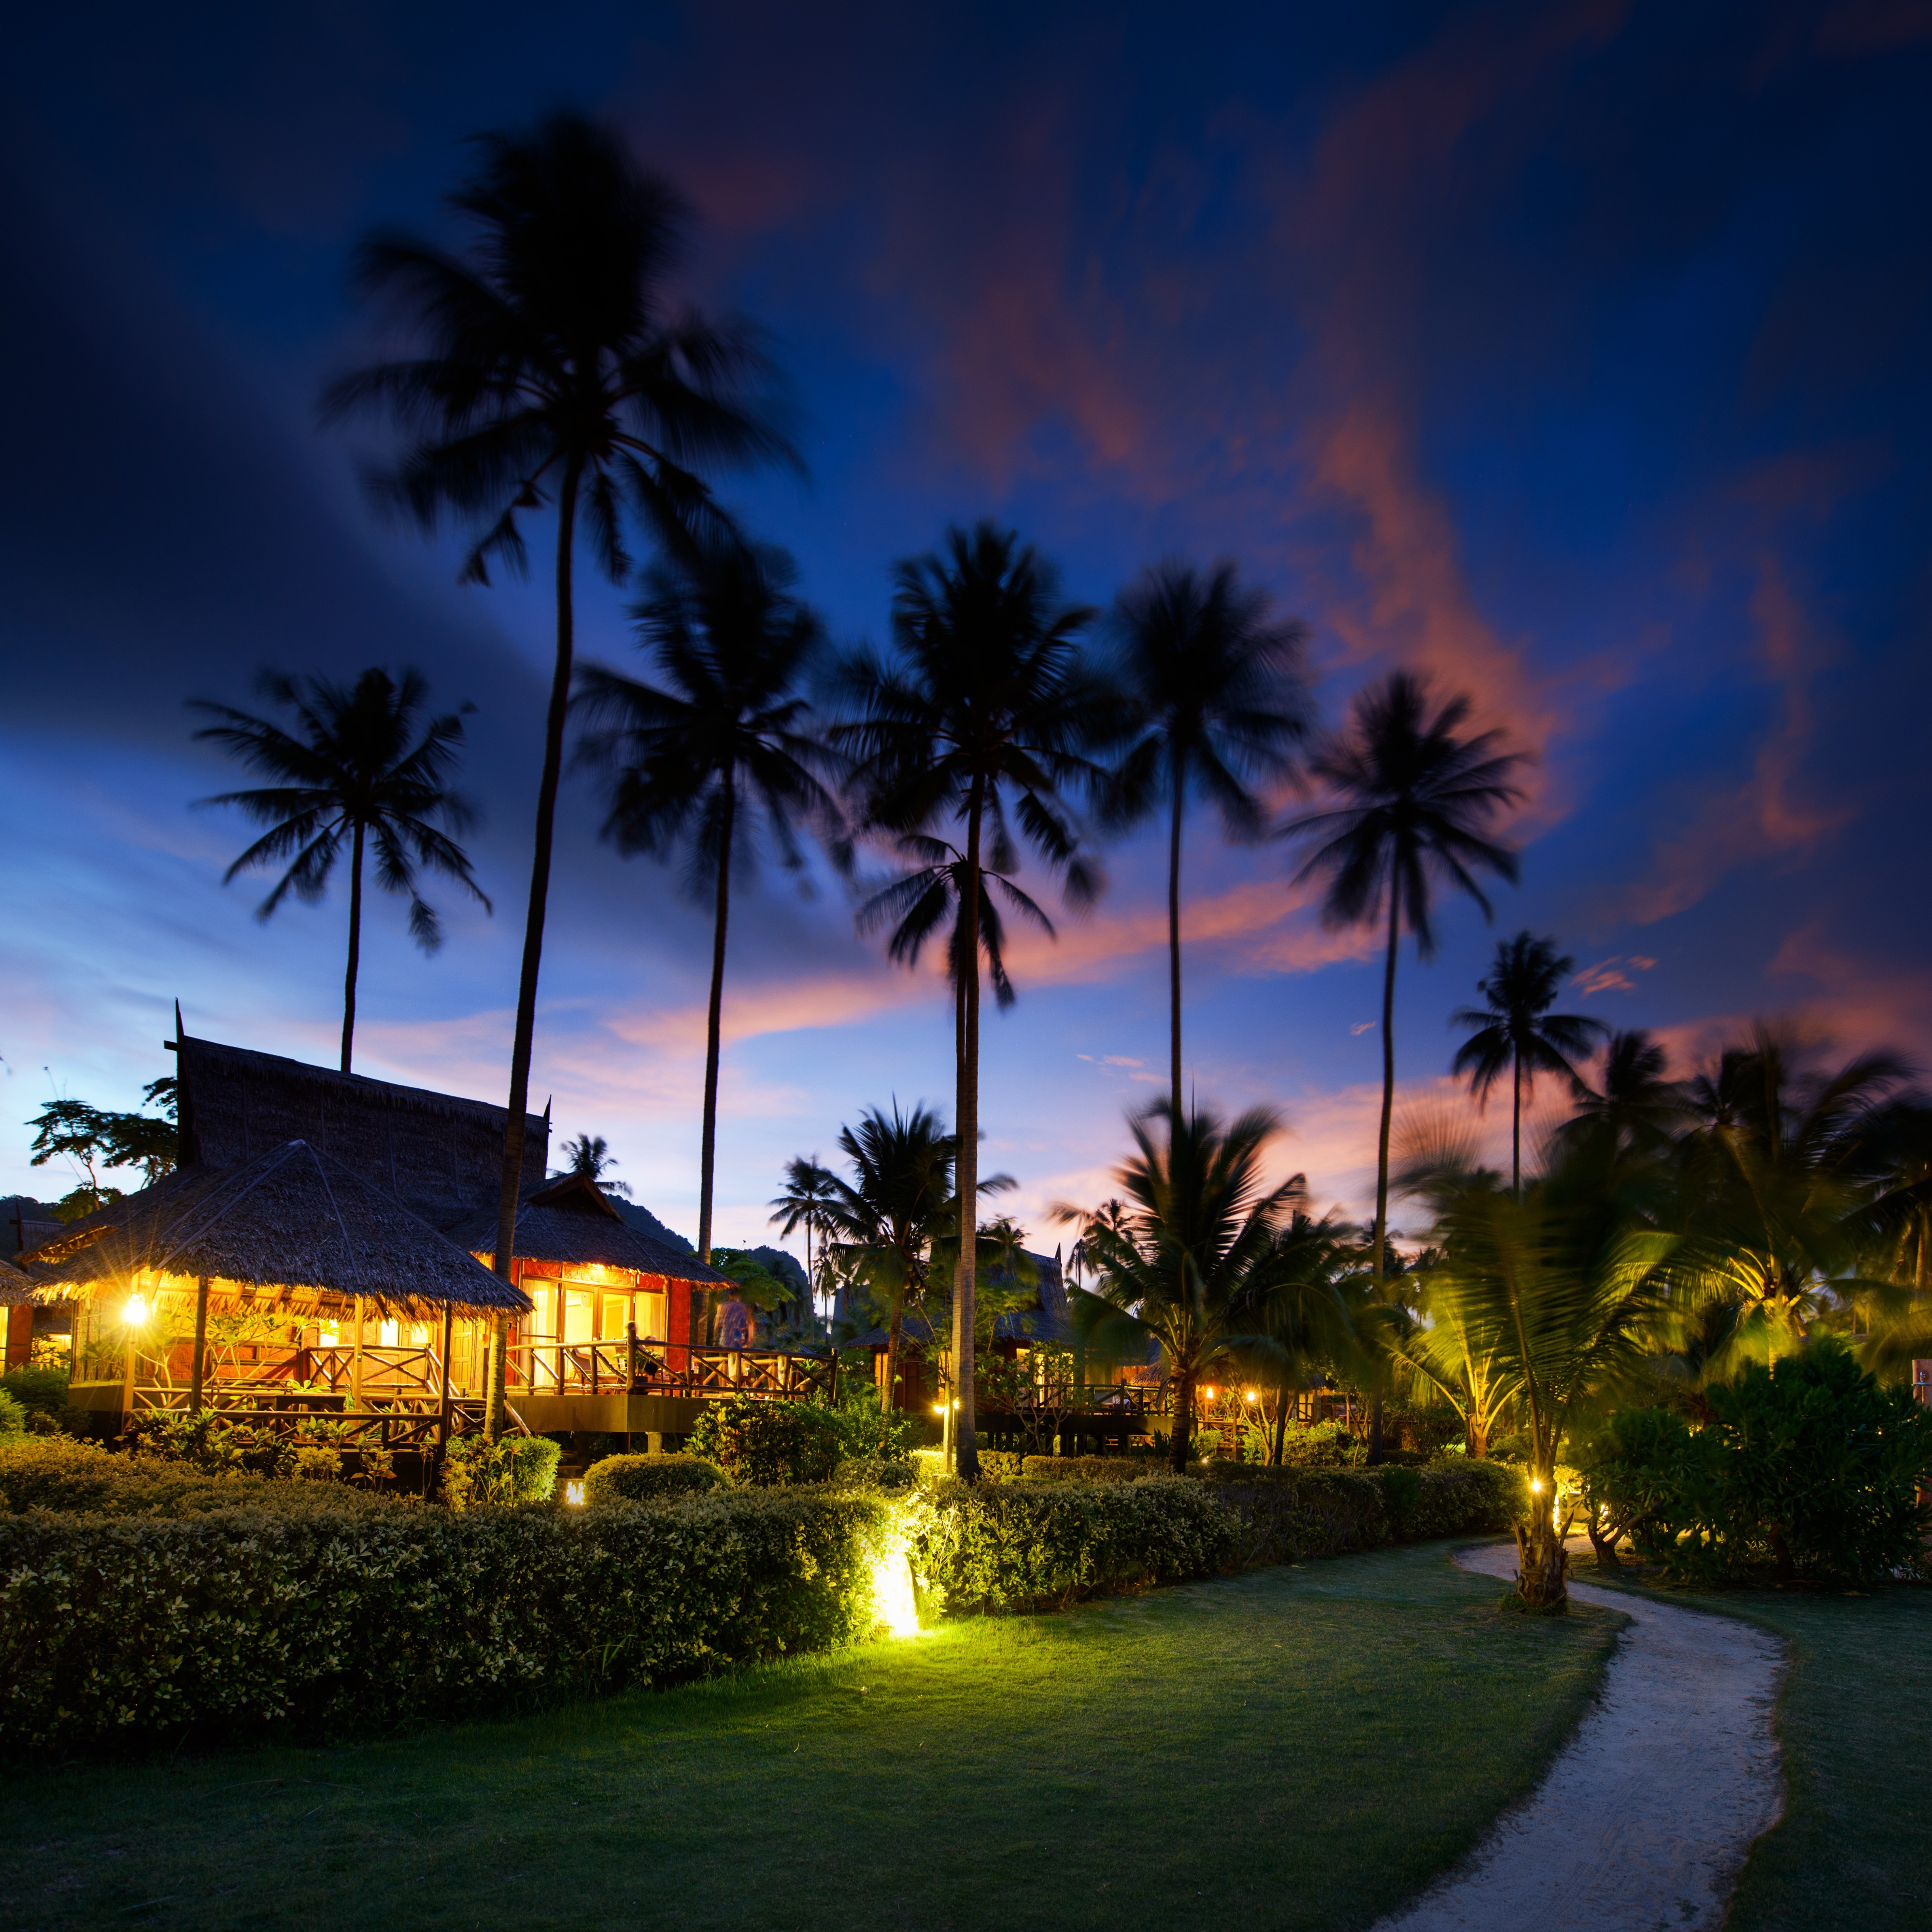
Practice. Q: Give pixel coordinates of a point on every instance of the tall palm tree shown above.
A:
(1219, 704)
(1193, 1268)
(356, 771)
(1638, 1110)
(550, 372)
(886, 1218)
(1307, 1306)
(1517, 1032)
(988, 700)
(718, 750)
(810, 1188)
(590, 1156)
(1413, 801)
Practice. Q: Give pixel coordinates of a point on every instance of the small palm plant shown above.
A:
(1193, 1269)
(810, 1188)
(1515, 1032)
(359, 769)
(717, 751)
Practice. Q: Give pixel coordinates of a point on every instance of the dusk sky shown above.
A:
(1579, 356)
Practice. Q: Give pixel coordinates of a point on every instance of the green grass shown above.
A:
(1293, 1748)
(1854, 1846)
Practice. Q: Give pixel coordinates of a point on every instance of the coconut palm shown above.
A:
(885, 1220)
(1559, 1296)
(716, 757)
(810, 1188)
(985, 721)
(1194, 1266)
(550, 373)
(1218, 705)
(1413, 802)
(590, 1156)
(360, 768)
(1308, 1309)
(1639, 1109)
(1516, 1032)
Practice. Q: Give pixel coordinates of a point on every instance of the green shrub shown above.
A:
(59, 1472)
(512, 1469)
(768, 1444)
(1091, 1469)
(41, 1391)
(865, 1429)
(1022, 1546)
(639, 1479)
(13, 1415)
(1287, 1516)
(243, 1621)
(885, 1474)
(1807, 1467)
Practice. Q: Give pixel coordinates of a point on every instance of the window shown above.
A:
(616, 1316)
(576, 1315)
(651, 1314)
(542, 1323)
(389, 1331)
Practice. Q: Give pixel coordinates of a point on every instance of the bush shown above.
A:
(512, 1469)
(864, 1429)
(13, 1415)
(1025, 1546)
(41, 1391)
(1807, 1467)
(250, 1620)
(768, 1444)
(886, 1473)
(1125, 1469)
(643, 1479)
(59, 1472)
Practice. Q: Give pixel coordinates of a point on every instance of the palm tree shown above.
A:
(1640, 1108)
(356, 771)
(1414, 800)
(1218, 705)
(1195, 1264)
(551, 373)
(887, 1218)
(1307, 1308)
(1517, 1031)
(1560, 1296)
(989, 697)
(590, 1156)
(809, 1191)
(718, 750)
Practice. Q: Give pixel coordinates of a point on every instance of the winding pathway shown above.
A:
(1646, 1816)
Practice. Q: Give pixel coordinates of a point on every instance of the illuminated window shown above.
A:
(615, 1314)
(576, 1315)
(389, 1332)
(651, 1317)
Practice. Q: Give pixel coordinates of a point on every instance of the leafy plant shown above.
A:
(641, 1479)
(768, 1444)
(13, 1415)
(512, 1469)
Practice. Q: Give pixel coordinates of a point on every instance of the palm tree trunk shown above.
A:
(1382, 1140)
(892, 1356)
(1516, 1132)
(511, 1187)
(1280, 1448)
(707, 1154)
(355, 948)
(966, 1454)
(1181, 1440)
(1180, 775)
(1541, 1560)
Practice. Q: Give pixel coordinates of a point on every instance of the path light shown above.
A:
(893, 1598)
(573, 1493)
(1536, 1485)
(135, 1312)
(1251, 1395)
(1209, 1393)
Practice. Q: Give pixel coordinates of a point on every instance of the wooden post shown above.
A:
(630, 1371)
(197, 1375)
(356, 1361)
(127, 1374)
(443, 1418)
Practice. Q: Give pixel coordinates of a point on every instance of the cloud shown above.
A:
(1607, 975)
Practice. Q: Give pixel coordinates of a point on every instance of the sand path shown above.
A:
(1646, 1815)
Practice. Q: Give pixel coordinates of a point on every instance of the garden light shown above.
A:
(1251, 1395)
(1536, 1485)
(573, 1493)
(1209, 1393)
(892, 1596)
(135, 1312)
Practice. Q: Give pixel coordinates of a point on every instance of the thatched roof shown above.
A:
(571, 1222)
(291, 1218)
(438, 1154)
(17, 1289)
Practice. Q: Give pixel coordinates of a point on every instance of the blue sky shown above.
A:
(1576, 354)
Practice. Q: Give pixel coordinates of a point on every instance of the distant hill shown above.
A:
(646, 1222)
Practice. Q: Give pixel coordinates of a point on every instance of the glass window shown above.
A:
(576, 1315)
(389, 1331)
(543, 1315)
(651, 1317)
(617, 1314)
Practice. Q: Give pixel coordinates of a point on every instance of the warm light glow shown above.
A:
(892, 1596)
(1536, 1485)
(1251, 1395)
(389, 1332)
(137, 1311)
(573, 1493)
(1209, 1393)
(939, 1408)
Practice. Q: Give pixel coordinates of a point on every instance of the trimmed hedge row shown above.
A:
(244, 1621)
(1014, 1546)
(638, 1479)
(56, 1472)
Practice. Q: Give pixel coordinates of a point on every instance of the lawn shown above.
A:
(1292, 1747)
(1854, 1846)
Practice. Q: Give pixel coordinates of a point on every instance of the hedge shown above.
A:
(57, 1472)
(638, 1479)
(758, 1441)
(324, 1624)
(1023, 1546)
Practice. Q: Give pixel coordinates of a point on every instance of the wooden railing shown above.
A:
(655, 1368)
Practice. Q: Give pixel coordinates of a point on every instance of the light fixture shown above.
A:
(137, 1311)
(1251, 1395)
(573, 1493)
(893, 1598)
(1536, 1485)
(1209, 1393)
